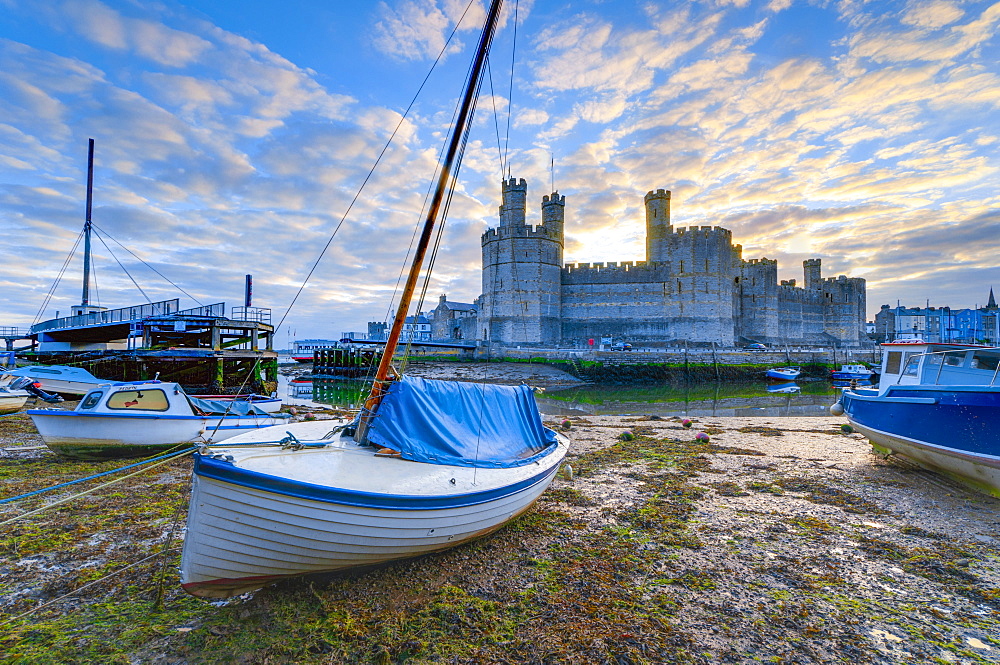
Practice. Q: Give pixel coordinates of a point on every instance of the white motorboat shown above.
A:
(135, 419)
(11, 399)
(76, 381)
(784, 373)
(61, 379)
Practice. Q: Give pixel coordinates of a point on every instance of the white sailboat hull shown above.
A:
(370, 510)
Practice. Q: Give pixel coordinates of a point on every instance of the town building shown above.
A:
(979, 325)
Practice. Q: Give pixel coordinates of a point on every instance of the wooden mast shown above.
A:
(448, 167)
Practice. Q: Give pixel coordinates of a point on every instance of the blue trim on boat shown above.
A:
(229, 473)
(947, 418)
(134, 416)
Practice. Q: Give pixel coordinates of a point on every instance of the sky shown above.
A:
(233, 138)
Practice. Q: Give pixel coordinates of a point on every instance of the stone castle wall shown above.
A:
(694, 287)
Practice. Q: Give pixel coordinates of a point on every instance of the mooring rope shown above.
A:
(169, 458)
(96, 475)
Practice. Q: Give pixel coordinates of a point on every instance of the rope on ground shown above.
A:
(94, 489)
(97, 475)
(88, 584)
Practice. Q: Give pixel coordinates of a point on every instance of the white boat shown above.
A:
(11, 399)
(61, 379)
(76, 381)
(425, 466)
(784, 373)
(852, 371)
(260, 514)
(136, 419)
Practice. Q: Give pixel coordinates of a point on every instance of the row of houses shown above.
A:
(980, 325)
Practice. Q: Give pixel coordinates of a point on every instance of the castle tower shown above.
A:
(658, 226)
(811, 272)
(522, 284)
(554, 215)
(515, 195)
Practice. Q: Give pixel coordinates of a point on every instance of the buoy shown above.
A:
(686, 424)
(293, 411)
(846, 429)
(701, 436)
(568, 472)
(836, 409)
(626, 436)
(566, 424)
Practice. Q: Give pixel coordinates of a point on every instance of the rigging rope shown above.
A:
(371, 171)
(143, 262)
(55, 284)
(124, 269)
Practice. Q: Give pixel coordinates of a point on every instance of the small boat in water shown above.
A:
(855, 371)
(784, 373)
(425, 466)
(937, 405)
(143, 418)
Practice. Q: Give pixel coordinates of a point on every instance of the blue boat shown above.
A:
(848, 372)
(937, 405)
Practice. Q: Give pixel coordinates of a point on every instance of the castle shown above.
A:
(693, 287)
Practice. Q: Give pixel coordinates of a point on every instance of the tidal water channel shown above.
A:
(805, 398)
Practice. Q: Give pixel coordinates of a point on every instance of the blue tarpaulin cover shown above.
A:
(231, 408)
(461, 424)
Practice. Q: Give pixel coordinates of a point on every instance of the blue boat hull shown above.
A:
(952, 429)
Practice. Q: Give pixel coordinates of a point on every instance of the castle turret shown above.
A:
(811, 271)
(515, 194)
(521, 272)
(657, 224)
(554, 215)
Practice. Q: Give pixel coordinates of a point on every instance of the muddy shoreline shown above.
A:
(778, 540)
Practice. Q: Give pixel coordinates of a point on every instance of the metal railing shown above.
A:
(258, 314)
(121, 315)
(12, 331)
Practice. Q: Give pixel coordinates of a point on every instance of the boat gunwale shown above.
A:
(227, 472)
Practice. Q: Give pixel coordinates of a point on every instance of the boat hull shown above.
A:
(12, 403)
(782, 374)
(245, 531)
(953, 429)
(88, 436)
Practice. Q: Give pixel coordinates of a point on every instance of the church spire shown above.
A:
(992, 304)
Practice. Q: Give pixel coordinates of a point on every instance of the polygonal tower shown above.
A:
(522, 264)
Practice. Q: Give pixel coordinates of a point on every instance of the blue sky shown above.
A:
(232, 136)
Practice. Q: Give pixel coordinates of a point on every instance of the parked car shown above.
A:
(756, 346)
(621, 346)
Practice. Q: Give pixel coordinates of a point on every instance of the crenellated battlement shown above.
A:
(761, 262)
(704, 231)
(508, 232)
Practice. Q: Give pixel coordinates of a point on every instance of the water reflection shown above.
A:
(704, 399)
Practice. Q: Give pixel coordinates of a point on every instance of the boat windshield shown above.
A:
(139, 400)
